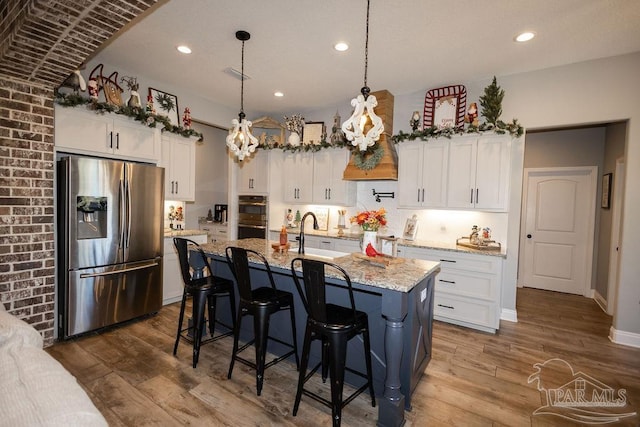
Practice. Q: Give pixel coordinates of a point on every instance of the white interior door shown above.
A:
(557, 241)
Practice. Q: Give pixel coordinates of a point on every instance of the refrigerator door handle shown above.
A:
(128, 213)
(123, 270)
(121, 214)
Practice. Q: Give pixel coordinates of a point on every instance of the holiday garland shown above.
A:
(514, 128)
(137, 113)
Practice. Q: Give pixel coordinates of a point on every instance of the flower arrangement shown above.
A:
(295, 123)
(370, 220)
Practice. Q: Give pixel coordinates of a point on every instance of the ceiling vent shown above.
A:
(235, 73)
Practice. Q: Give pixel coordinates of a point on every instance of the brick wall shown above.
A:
(41, 43)
(26, 203)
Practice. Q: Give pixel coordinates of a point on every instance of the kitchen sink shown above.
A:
(321, 253)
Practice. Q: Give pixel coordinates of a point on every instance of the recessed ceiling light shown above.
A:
(184, 49)
(278, 94)
(341, 46)
(525, 37)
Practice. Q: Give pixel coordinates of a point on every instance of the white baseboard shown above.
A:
(601, 301)
(630, 339)
(509, 315)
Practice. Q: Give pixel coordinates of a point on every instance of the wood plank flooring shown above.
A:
(473, 379)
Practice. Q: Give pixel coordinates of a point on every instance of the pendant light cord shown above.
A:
(365, 89)
(242, 82)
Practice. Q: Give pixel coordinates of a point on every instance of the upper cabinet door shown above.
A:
(298, 177)
(179, 161)
(83, 131)
(134, 140)
(462, 172)
(410, 160)
(493, 169)
(328, 185)
(435, 166)
(253, 174)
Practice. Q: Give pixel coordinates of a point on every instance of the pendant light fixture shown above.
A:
(364, 128)
(240, 141)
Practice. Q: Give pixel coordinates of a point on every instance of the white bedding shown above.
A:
(36, 390)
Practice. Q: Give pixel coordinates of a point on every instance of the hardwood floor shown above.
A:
(473, 379)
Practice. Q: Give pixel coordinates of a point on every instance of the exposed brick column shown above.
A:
(27, 271)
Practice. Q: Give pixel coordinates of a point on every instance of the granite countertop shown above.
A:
(168, 232)
(424, 244)
(398, 277)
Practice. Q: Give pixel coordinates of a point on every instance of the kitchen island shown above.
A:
(398, 301)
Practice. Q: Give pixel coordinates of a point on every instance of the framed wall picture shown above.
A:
(312, 133)
(322, 214)
(166, 105)
(606, 190)
(410, 228)
(445, 107)
(270, 132)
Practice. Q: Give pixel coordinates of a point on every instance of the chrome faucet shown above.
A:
(301, 236)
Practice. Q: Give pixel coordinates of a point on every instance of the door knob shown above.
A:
(528, 236)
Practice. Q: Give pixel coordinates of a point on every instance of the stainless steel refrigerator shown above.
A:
(110, 237)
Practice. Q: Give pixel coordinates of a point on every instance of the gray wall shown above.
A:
(211, 173)
(615, 137)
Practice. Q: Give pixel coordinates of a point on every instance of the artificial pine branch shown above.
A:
(491, 102)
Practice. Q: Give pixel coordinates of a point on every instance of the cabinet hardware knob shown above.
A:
(528, 236)
(477, 196)
(118, 141)
(447, 260)
(446, 306)
(448, 281)
(471, 201)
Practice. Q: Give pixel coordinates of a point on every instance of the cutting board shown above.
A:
(378, 261)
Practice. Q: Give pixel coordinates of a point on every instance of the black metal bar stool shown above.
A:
(334, 325)
(203, 290)
(261, 303)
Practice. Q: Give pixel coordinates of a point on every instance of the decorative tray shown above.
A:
(280, 248)
(486, 245)
(383, 261)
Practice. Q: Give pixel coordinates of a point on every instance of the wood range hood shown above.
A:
(387, 169)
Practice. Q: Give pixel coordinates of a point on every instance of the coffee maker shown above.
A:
(220, 213)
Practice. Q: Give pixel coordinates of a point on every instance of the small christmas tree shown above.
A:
(491, 102)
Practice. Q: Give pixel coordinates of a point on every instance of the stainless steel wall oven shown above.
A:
(252, 217)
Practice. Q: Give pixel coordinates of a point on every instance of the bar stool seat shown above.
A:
(334, 325)
(204, 291)
(261, 303)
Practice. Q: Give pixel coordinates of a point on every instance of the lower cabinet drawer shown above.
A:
(470, 312)
(466, 283)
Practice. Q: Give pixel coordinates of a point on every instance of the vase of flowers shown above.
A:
(294, 124)
(370, 222)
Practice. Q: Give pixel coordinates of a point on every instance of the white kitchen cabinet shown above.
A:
(297, 170)
(253, 174)
(422, 173)
(479, 170)
(78, 130)
(172, 284)
(215, 232)
(467, 289)
(328, 185)
(179, 162)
